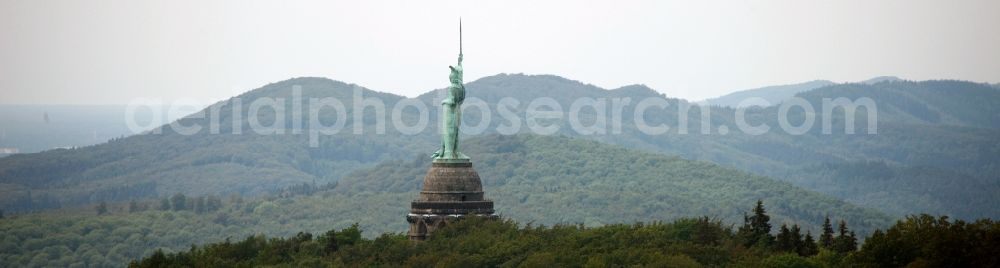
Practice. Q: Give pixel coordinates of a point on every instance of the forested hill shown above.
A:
(772, 94)
(778, 94)
(946, 166)
(533, 179)
(935, 151)
(551, 179)
(938, 102)
(160, 164)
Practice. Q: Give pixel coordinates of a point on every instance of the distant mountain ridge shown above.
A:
(935, 102)
(776, 94)
(964, 146)
(772, 94)
(151, 165)
(35, 128)
(906, 168)
(880, 79)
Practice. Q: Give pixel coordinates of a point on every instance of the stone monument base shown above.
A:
(452, 190)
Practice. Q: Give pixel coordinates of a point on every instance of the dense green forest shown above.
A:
(936, 150)
(917, 241)
(531, 176)
(956, 157)
(150, 165)
(539, 179)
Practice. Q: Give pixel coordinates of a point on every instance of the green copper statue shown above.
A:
(452, 115)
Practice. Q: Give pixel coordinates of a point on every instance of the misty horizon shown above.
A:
(80, 53)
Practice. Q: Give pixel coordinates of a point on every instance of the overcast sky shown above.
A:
(109, 52)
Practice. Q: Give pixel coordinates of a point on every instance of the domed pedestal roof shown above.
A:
(452, 190)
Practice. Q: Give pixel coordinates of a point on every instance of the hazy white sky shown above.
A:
(109, 52)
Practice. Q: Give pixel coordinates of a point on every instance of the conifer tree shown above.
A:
(760, 222)
(744, 232)
(826, 239)
(784, 241)
(756, 229)
(809, 247)
(842, 229)
(846, 241)
(796, 238)
(851, 243)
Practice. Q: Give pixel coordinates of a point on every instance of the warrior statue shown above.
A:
(452, 115)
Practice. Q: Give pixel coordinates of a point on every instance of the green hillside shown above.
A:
(537, 179)
(551, 180)
(159, 164)
(778, 94)
(936, 151)
(961, 153)
(773, 94)
(936, 102)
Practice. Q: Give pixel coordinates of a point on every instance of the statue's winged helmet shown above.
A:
(456, 74)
